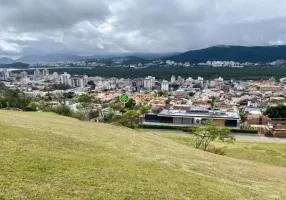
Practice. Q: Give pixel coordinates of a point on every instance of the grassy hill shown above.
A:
(46, 156)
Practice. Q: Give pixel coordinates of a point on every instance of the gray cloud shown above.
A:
(38, 15)
(88, 26)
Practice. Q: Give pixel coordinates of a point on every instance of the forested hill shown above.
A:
(17, 65)
(256, 54)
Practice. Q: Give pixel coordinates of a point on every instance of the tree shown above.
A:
(144, 109)
(191, 94)
(86, 103)
(63, 110)
(205, 135)
(84, 98)
(14, 98)
(213, 101)
(94, 114)
(243, 117)
(60, 97)
(116, 106)
(162, 94)
(2, 86)
(175, 86)
(197, 85)
(92, 85)
(156, 110)
(129, 119)
(33, 106)
(61, 87)
(278, 111)
(130, 104)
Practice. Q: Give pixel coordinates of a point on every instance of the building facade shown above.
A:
(193, 118)
(149, 82)
(65, 79)
(165, 86)
(78, 81)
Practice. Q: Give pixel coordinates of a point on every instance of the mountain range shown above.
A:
(254, 54)
(6, 60)
(32, 59)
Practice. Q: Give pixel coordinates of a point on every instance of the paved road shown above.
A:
(250, 138)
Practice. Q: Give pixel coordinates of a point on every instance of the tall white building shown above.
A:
(173, 79)
(45, 72)
(4, 74)
(79, 81)
(180, 80)
(149, 82)
(24, 74)
(189, 81)
(55, 76)
(165, 86)
(37, 73)
(65, 79)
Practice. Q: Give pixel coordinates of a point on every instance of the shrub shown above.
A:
(79, 115)
(30, 109)
(216, 150)
(188, 129)
(63, 110)
(206, 134)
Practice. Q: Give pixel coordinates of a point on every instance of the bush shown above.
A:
(48, 109)
(188, 129)
(66, 111)
(219, 151)
(63, 110)
(93, 114)
(79, 115)
(30, 109)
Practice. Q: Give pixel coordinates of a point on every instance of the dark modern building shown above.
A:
(189, 118)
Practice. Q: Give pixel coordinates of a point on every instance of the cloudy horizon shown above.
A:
(88, 27)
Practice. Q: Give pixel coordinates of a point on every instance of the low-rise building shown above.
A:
(192, 118)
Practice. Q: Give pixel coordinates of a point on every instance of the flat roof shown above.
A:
(199, 114)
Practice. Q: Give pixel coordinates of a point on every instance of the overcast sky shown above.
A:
(87, 27)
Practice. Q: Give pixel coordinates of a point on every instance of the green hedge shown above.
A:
(159, 127)
(244, 131)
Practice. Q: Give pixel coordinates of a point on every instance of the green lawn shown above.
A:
(46, 156)
(269, 153)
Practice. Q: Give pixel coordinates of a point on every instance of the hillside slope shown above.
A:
(46, 156)
(263, 54)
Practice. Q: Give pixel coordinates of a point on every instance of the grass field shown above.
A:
(46, 156)
(269, 153)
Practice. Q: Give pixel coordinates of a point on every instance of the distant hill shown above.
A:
(31, 59)
(5, 60)
(150, 56)
(147, 56)
(16, 65)
(129, 60)
(262, 54)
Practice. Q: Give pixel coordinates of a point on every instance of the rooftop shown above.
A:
(199, 113)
